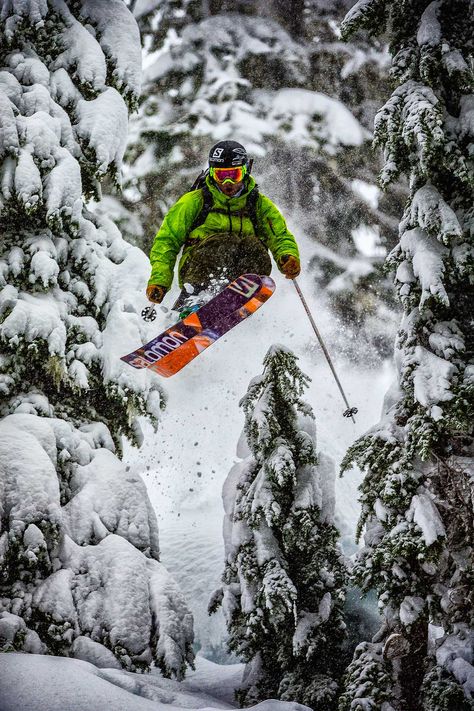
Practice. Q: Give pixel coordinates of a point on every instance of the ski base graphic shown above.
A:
(169, 352)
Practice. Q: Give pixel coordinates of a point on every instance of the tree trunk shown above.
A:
(412, 666)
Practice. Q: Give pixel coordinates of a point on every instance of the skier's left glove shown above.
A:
(290, 266)
(156, 293)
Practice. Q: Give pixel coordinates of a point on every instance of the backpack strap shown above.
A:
(251, 206)
(200, 180)
(207, 203)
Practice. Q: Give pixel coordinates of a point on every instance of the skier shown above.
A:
(225, 228)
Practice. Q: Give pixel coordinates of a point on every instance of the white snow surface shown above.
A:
(410, 609)
(103, 124)
(429, 30)
(142, 7)
(456, 653)
(432, 377)
(298, 107)
(432, 213)
(83, 56)
(32, 682)
(428, 257)
(119, 39)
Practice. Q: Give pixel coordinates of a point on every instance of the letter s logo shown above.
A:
(218, 152)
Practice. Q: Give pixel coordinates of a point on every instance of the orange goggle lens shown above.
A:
(233, 175)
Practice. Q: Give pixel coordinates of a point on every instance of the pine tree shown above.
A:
(417, 495)
(284, 577)
(78, 539)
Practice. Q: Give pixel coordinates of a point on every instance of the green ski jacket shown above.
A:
(175, 230)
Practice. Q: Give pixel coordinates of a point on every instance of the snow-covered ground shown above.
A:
(33, 682)
(185, 463)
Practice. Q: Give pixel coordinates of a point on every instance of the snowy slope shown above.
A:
(185, 463)
(32, 682)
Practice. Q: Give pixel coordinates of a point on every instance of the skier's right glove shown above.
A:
(290, 266)
(156, 293)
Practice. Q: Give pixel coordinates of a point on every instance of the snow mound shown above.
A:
(33, 682)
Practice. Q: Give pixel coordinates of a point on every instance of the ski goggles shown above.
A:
(232, 175)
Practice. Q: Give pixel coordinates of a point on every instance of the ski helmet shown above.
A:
(226, 154)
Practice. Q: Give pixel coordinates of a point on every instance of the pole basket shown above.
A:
(350, 412)
(149, 313)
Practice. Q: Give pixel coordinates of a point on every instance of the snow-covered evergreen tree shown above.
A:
(78, 538)
(284, 577)
(417, 497)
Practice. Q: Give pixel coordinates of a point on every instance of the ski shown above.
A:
(179, 344)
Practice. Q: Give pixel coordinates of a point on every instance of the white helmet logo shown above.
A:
(218, 152)
(239, 158)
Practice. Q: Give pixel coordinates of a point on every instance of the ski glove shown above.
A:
(290, 266)
(156, 293)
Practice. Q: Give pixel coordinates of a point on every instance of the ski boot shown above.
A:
(188, 310)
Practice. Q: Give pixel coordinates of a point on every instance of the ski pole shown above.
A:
(351, 411)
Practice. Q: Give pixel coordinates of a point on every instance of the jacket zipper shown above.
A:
(230, 218)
